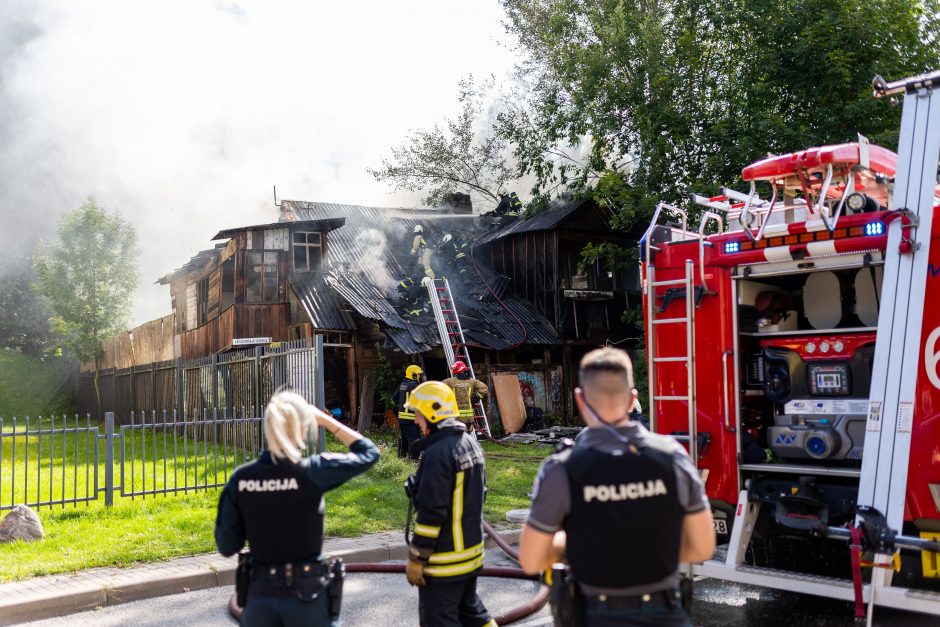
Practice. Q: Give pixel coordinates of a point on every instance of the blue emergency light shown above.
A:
(732, 247)
(875, 228)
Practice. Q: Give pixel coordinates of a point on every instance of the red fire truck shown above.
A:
(792, 343)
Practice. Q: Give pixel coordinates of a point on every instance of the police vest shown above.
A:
(403, 391)
(625, 524)
(282, 511)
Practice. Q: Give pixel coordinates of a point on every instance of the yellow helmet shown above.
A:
(433, 400)
(413, 372)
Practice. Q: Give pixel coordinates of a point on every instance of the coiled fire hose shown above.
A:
(535, 604)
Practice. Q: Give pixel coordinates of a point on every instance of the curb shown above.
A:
(89, 590)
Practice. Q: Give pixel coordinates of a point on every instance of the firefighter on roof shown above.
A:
(408, 431)
(420, 250)
(275, 503)
(447, 491)
(467, 390)
(623, 506)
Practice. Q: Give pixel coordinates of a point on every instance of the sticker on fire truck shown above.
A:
(874, 416)
(905, 416)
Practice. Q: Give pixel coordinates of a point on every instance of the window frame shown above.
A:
(307, 249)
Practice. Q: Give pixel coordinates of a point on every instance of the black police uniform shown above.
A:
(448, 491)
(278, 508)
(408, 431)
(621, 497)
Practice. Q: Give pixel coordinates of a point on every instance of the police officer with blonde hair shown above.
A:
(275, 503)
(447, 491)
(623, 507)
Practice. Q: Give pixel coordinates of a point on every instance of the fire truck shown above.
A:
(793, 343)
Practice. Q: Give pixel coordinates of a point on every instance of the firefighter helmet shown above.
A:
(434, 400)
(419, 228)
(413, 372)
(448, 237)
(458, 367)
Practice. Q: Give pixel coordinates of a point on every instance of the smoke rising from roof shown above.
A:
(182, 115)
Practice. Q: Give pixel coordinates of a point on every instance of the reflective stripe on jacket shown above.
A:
(448, 498)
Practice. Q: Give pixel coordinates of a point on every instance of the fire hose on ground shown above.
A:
(535, 604)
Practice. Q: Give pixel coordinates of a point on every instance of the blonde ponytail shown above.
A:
(288, 420)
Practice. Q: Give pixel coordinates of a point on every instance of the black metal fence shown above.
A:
(59, 461)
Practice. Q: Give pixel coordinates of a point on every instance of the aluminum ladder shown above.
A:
(898, 349)
(652, 322)
(452, 337)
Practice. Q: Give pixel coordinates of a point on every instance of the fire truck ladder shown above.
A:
(654, 358)
(898, 350)
(452, 338)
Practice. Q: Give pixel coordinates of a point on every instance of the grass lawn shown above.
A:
(30, 386)
(162, 527)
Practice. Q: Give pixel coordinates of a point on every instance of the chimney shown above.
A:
(459, 203)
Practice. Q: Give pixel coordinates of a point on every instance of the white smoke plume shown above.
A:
(182, 115)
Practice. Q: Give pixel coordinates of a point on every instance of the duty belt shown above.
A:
(662, 598)
(286, 573)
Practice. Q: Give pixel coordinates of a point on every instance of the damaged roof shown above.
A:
(371, 254)
(554, 218)
(313, 225)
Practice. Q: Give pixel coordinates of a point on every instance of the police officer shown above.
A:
(467, 390)
(624, 506)
(446, 549)
(408, 431)
(275, 503)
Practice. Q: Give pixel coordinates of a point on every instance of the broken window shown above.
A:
(308, 251)
(262, 277)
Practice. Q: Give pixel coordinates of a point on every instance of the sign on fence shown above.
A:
(250, 341)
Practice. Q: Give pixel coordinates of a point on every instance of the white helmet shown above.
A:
(419, 228)
(448, 237)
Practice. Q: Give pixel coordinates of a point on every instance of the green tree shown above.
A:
(674, 96)
(88, 275)
(462, 155)
(24, 313)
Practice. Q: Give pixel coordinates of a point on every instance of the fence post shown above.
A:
(259, 390)
(179, 387)
(319, 389)
(215, 381)
(109, 459)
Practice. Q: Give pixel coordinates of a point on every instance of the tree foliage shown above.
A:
(462, 155)
(88, 275)
(671, 96)
(24, 313)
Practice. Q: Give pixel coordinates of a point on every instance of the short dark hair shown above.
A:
(606, 359)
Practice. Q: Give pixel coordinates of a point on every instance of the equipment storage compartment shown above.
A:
(806, 352)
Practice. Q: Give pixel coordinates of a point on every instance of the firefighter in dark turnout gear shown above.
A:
(623, 506)
(275, 503)
(446, 548)
(408, 431)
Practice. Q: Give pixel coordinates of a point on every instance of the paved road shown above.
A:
(388, 600)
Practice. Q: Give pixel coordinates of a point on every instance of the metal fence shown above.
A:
(59, 461)
(234, 381)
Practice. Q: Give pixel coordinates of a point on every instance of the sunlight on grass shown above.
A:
(161, 527)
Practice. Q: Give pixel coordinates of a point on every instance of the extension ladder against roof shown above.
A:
(452, 338)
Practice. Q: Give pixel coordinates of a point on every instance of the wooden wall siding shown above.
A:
(149, 342)
(238, 321)
(215, 294)
(192, 298)
(139, 389)
(277, 239)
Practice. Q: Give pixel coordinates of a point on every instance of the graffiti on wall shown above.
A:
(533, 389)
